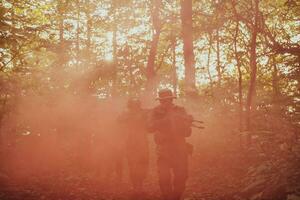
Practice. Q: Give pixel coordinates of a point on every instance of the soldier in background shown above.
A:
(170, 126)
(133, 123)
(109, 147)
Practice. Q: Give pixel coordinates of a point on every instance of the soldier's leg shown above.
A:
(180, 169)
(132, 166)
(130, 169)
(142, 169)
(164, 175)
(119, 169)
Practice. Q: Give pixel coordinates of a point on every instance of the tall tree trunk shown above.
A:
(253, 68)
(61, 32)
(131, 78)
(61, 51)
(174, 71)
(114, 63)
(89, 33)
(150, 69)
(238, 65)
(275, 86)
(13, 33)
(208, 63)
(60, 8)
(77, 35)
(240, 76)
(218, 59)
(114, 42)
(114, 50)
(188, 49)
(128, 63)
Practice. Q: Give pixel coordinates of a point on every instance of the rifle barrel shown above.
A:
(195, 126)
(199, 121)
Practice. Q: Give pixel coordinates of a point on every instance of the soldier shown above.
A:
(133, 123)
(170, 126)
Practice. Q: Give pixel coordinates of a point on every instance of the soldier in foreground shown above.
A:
(133, 123)
(170, 126)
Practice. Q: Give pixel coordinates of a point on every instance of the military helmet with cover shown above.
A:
(165, 94)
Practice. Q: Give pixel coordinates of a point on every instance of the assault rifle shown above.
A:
(191, 120)
(188, 119)
(198, 122)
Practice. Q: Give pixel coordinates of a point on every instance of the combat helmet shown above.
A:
(165, 94)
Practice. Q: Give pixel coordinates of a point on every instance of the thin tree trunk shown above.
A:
(61, 29)
(218, 59)
(238, 64)
(275, 85)
(188, 49)
(61, 52)
(61, 33)
(89, 33)
(131, 78)
(208, 63)
(131, 75)
(114, 51)
(150, 85)
(114, 63)
(151, 57)
(240, 78)
(77, 36)
(174, 72)
(253, 68)
(13, 33)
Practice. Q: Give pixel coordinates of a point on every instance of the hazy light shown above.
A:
(108, 56)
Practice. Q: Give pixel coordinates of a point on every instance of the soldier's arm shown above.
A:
(185, 121)
(151, 122)
(155, 122)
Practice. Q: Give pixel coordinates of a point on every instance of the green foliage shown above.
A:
(273, 170)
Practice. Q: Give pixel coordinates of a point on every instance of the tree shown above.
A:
(157, 26)
(188, 48)
(253, 65)
(237, 56)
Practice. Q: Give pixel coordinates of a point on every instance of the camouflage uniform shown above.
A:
(133, 123)
(172, 150)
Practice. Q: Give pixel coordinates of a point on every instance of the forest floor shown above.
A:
(204, 183)
(212, 176)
